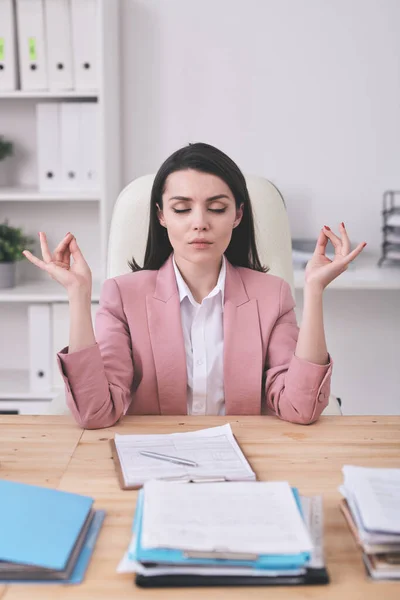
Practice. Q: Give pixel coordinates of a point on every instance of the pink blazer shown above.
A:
(138, 365)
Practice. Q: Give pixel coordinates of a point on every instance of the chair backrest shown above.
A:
(130, 221)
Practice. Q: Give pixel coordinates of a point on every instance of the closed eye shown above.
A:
(214, 210)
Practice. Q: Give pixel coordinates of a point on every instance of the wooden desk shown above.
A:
(53, 451)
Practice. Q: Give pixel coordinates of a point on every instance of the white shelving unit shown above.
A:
(33, 194)
(87, 213)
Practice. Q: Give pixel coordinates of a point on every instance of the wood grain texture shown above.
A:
(309, 457)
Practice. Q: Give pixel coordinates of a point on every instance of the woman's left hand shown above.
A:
(320, 270)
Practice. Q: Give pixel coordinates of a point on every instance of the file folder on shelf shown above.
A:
(89, 147)
(71, 140)
(84, 43)
(39, 324)
(48, 140)
(8, 49)
(32, 45)
(58, 44)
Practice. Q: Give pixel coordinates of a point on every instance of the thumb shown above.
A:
(76, 251)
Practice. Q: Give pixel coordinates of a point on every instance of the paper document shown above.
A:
(376, 493)
(215, 450)
(250, 517)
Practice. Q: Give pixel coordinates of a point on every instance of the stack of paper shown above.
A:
(372, 510)
(46, 535)
(221, 534)
(215, 451)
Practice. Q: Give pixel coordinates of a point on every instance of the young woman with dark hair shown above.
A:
(201, 327)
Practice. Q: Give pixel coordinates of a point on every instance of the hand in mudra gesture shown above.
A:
(320, 270)
(58, 264)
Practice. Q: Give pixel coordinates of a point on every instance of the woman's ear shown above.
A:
(160, 216)
(239, 216)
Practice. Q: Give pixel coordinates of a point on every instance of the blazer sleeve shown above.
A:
(98, 379)
(296, 390)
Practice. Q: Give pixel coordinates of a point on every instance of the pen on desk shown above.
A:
(172, 459)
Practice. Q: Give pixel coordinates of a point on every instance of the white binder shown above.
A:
(40, 375)
(8, 50)
(31, 44)
(84, 43)
(58, 44)
(71, 140)
(89, 112)
(48, 146)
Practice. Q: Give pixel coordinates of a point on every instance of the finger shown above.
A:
(36, 261)
(44, 247)
(355, 252)
(63, 244)
(321, 244)
(345, 239)
(76, 251)
(336, 241)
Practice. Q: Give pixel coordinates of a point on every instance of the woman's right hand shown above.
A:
(72, 276)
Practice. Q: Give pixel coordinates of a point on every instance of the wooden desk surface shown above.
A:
(52, 451)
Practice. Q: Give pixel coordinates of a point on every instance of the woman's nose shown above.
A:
(200, 220)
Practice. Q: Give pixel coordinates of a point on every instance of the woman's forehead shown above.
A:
(195, 185)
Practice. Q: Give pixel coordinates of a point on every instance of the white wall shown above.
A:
(304, 92)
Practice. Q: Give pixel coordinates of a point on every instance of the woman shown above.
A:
(201, 328)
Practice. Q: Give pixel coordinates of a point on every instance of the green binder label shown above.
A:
(1, 48)
(32, 48)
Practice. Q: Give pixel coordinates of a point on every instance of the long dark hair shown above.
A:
(242, 250)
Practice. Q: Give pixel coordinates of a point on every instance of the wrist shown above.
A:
(79, 295)
(313, 288)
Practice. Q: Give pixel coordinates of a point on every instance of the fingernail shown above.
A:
(326, 227)
(364, 244)
(342, 224)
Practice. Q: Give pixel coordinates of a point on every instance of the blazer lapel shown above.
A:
(166, 335)
(243, 363)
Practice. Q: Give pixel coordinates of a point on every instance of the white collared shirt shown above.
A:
(203, 335)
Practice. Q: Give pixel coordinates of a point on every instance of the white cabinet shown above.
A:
(85, 212)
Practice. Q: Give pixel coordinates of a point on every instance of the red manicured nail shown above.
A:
(342, 224)
(364, 244)
(326, 227)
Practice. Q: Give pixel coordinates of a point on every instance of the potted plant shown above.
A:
(6, 149)
(12, 243)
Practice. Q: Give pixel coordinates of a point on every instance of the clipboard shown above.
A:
(311, 577)
(192, 479)
(118, 468)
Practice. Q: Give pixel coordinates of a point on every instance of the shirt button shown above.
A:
(199, 362)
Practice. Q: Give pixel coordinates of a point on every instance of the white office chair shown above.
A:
(129, 227)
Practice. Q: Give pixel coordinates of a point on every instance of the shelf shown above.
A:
(14, 385)
(41, 292)
(363, 274)
(33, 194)
(47, 94)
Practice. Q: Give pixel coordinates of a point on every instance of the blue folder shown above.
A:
(82, 563)
(39, 526)
(171, 556)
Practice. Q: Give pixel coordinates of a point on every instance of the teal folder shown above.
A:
(40, 526)
(170, 556)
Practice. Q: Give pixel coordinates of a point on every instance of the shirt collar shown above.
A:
(185, 291)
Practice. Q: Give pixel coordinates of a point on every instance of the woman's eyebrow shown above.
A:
(186, 199)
